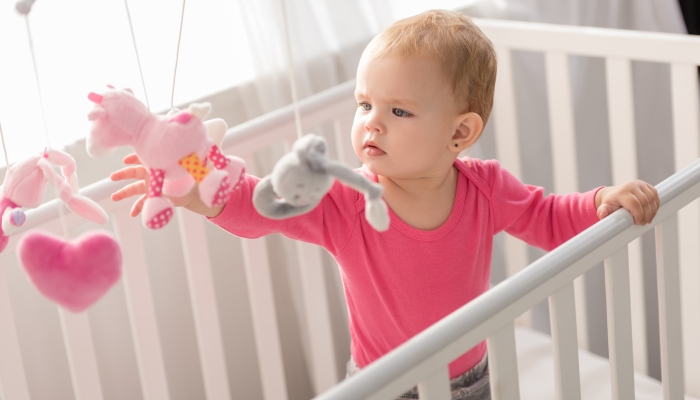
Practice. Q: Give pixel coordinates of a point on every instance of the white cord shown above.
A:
(66, 234)
(177, 55)
(136, 50)
(290, 67)
(4, 148)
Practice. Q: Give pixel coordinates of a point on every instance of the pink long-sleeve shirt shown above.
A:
(399, 282)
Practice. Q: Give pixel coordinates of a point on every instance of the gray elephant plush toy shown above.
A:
(303, 176)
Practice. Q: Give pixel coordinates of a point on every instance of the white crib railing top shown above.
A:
(595, 42)
(475, 321)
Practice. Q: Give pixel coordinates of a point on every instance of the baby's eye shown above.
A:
(365, 106)
(400, 113)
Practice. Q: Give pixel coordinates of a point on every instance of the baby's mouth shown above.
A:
(371, 149)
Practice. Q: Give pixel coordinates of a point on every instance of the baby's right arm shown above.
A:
(190, 201)
(329, 224)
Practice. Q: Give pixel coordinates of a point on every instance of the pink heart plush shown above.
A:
(73, 274)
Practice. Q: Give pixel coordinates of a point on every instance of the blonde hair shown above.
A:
(466, 54)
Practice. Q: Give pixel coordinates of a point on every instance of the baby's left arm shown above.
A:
(638, 197)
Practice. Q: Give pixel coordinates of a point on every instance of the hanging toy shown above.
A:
(74, 274)
(303, 176)
(176, 149)
(25, 185)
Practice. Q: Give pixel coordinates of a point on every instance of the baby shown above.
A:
(424, 92)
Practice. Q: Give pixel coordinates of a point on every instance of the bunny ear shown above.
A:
(129, 90)
(87, 209)
(110, 86)
(95, 98)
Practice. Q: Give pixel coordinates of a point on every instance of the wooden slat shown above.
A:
(565, 168)
(562, 311)
(139, 303)
(318, 319)
(623, 148)
(81, 355)
(13, 381)
(508, 154)
(262, 304)
(503, 366)
(436, 386)
(668, 278)
(686, 132)
(202, 296)
(617, 292)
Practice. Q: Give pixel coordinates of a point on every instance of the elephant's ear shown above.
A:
(312, 150)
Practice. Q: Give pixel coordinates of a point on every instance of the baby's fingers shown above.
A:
(654, 200)
(606, 209)
(130, 190)
(136, 172)
(138, 206)
(132, 159)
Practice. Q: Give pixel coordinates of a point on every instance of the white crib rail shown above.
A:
(491, 315)
(619, 48)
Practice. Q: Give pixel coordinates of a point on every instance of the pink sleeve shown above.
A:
(524, 212)
(328, 225)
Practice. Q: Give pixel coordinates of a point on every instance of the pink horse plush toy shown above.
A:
(25, 185)
(174, 148)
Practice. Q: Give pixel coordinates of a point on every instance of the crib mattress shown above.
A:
(536, 371)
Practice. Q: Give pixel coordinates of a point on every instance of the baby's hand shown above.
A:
(639, 198)
(138, 171)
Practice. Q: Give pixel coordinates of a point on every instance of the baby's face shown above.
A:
(405, 118)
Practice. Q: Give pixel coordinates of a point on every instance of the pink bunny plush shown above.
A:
(25, 185)
(178, 149)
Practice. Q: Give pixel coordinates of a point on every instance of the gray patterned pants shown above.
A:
(471, 385)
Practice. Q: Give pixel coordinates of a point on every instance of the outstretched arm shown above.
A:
(190, 201)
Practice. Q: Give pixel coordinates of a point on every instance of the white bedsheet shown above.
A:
(536, 371)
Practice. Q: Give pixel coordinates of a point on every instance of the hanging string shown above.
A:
(136, 50)
(62, 217)
(177, 55)
(4, 148)
(290, 67)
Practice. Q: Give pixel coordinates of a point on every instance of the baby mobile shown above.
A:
(303, 176)
(74, 274)
(175, 149)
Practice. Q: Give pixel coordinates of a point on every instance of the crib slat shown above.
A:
(206, 316)
(617, 297)
(668, 277)
(139, 302)
(318, 320)
(562, 311)
(81, 355)
(436, 386)
(13, 381)
(565, 169)
(262, 304)
(686, 131)
(503, 365)
(508, 153)
(623, 148)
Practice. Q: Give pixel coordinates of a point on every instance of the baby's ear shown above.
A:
(467, 131)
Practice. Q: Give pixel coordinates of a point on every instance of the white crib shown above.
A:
(492, 316)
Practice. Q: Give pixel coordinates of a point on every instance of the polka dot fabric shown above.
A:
(219, 159)
(155, 187)
(160, 219)
(195, 167)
